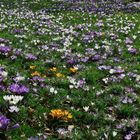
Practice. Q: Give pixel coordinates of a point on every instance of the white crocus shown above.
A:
(12, 99)
(114, 133)
(52, 90)
(86, 108)
(20, 78)
(112, 71)
(4, 73)
(13, 109)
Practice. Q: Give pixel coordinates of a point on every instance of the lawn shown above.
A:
(67, 74)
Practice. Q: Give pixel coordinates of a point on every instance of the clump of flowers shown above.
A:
(59, 75)
(36, 73)
(53, 69)
(53, 90)
(61, 114)
(32, 67)
(80, 83)
(12, 99)
(73, 70)
(18, 88)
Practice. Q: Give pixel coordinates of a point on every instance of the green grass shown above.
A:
(103, 100)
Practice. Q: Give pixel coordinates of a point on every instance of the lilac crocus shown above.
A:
(128, 41)
(129, 89)
(128, 137)
(2, 40)
(30, 57)
(119, 70)
(132, 50)
(104, 67)
(4, 122)
(81, 83)
(96, 57)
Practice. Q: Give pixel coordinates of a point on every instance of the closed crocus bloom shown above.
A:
(16, 126)
(4, 122)
(13, 109)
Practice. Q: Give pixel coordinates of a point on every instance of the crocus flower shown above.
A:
(132, 50)
(18, 88)
(5, 49)
(128, 41)
(30, 57)
(13, 109)
(16, 126)
(4, 122)
(2, 40)
(12, 99)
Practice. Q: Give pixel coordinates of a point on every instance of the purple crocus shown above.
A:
(71, 61)
(5, 49)
(4, 122)
(2, 87)
(1, 78)
(81, 83)
(129, 89)
(18, 88)
(18, 52)
(16, 126)
(96, 57)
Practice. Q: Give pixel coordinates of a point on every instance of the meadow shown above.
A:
(68, 74)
